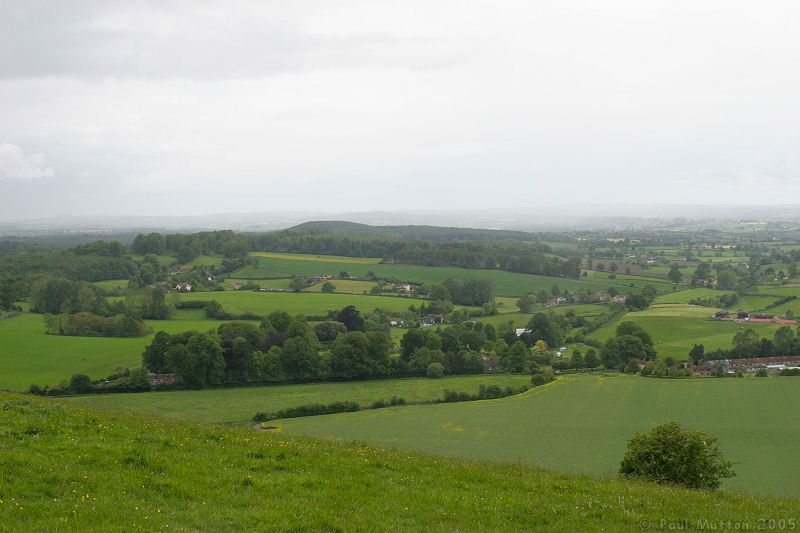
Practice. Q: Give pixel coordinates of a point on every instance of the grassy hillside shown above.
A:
(582, 424)
(240, 404)
(65, 469)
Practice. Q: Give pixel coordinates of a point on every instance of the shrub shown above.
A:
(671, 454)
(81, 384)
(538, 379)
(434, 370)
(312, 409)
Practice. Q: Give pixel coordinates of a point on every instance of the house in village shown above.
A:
(183, 286)
(492, 364)
(431, 320)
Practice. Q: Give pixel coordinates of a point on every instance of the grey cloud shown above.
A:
(194, 40)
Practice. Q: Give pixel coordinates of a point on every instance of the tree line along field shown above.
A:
(238, 405)
(304, 303)
(506, 283)
(581, 424)
(89, 470)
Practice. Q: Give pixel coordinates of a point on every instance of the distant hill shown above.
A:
(423, 233)
(69, 469)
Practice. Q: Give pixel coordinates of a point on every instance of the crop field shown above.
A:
(687, 295)
(506, 283)
(675, 328)
(581, 424)
(240, 404)
(28, 355)
(345, 286)
(623, 280)
(305, 303)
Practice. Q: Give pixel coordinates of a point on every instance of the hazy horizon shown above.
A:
(199, 109)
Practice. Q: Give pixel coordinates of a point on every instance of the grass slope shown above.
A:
(240, 404)
(65, 469)
(582, 423)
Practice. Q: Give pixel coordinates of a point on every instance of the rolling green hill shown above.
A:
(581, 424)
(68, 469)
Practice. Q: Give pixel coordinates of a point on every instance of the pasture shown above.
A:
(28, 355)
(582, 423)
(238, 405)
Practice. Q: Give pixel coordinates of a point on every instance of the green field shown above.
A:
(28, 355)
(521, 319)
(240, 404)
(345, 286)
(304, 303)
(581, 424)
(675, 327)
(506, 283)
(67, 469)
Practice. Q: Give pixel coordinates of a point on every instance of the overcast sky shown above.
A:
(198, 107)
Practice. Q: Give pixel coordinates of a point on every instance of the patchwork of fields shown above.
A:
(581, 424)
(506, 283)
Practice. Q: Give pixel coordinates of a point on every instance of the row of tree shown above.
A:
(747, 343)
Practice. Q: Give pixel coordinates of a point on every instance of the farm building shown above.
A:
(704, 370)
(756, 363)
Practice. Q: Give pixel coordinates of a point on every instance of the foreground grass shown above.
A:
(582, 423)
(240, 404)
(68, 469)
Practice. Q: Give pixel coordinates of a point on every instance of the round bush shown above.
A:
(434, 370)
(671, 454)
